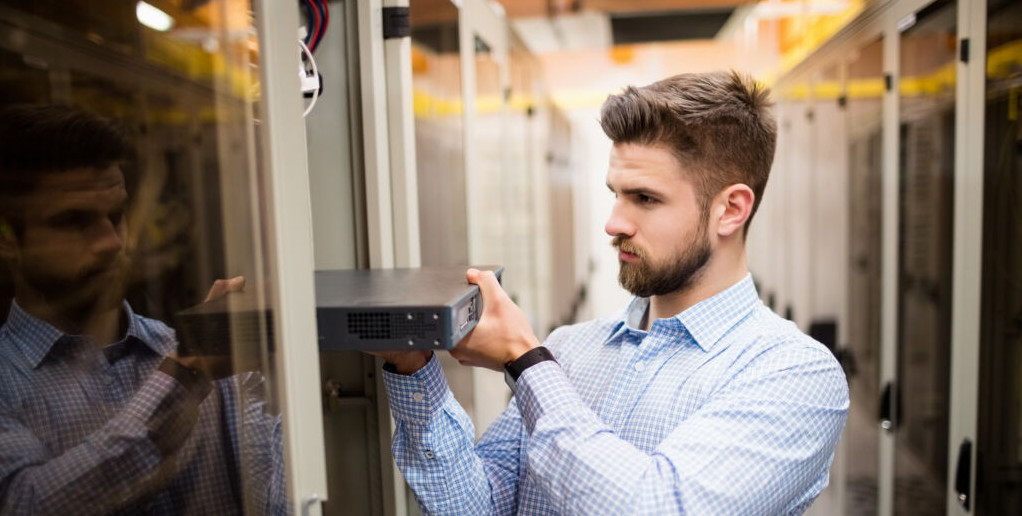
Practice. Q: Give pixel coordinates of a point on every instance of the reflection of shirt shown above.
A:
(87, 430)
(723, 409)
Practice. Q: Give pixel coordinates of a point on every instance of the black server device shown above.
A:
(364, 310)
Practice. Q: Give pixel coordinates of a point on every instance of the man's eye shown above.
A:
(645, 199)
(72, 221)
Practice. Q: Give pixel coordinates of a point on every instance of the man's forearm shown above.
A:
(435, 450)
(115, 466)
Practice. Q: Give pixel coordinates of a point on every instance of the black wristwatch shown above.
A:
(514, 368)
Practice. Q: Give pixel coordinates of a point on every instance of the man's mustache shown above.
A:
(120, 262)
(625, 244)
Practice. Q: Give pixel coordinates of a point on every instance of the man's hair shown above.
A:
(37, 139)
(718, 125)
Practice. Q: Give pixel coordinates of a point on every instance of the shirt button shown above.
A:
(418, 396)
(639, 366)
(429, 454)
(108, 380)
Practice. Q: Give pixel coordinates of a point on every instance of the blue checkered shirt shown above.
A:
(85, 430)
(723, 409)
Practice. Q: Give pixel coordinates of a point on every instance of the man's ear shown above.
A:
(8, 242)
(732, 208)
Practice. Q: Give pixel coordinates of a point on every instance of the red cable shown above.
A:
(314, 23)
(326, 20)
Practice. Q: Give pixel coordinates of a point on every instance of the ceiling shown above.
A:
(555, 25)
(534, 8)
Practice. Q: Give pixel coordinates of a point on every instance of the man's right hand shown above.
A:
(405, 362)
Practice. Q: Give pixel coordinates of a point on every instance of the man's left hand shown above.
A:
(222, 366)
(222, 287)
(503, 333)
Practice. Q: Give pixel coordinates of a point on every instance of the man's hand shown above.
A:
(503, 333)
(405, 362)
(221, 366)
(222, 287)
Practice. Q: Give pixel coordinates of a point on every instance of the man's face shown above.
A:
(658, 226)
(71, 250)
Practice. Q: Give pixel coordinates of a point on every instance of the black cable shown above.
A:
(320, 24)
(308, 16)
(326, 19)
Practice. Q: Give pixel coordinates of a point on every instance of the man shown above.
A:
(695, 399)
(97, 416)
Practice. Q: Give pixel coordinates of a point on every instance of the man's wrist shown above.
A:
(516, 352)
(408, 363)
(514, 368)
(195, 381)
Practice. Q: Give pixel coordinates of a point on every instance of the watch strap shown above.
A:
(516, 367)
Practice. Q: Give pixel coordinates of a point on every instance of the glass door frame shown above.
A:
(967, 276)
(284, 152)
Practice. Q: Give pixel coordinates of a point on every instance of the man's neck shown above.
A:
(721, 272)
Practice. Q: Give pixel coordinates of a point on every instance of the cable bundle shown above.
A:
(319, 15)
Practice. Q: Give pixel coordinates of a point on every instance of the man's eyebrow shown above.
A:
(75, 213)
(639, 191)
(68, 214)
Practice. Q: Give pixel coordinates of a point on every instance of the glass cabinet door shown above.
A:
(864, 110)
(141, 182)
(439, 135)
(999, 461)
(926, 91)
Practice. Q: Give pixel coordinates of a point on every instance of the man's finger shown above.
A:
(236, 284)
(486, 280)
(222, 287)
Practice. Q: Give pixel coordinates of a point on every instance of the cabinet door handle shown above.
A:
(963, 473)
(308, 502)
(886, 416)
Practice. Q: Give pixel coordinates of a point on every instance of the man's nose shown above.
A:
(107, 238)
(618, 223)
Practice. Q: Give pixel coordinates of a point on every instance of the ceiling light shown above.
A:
(153, 17)
(776, 9)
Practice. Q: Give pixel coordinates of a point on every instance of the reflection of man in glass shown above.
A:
(96, 413)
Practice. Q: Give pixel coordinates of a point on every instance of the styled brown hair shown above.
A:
(44, 139)
(718, 125)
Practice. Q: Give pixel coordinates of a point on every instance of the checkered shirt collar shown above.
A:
(36, 338)
(706, 321)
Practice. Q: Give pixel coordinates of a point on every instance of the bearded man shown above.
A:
(695, 399)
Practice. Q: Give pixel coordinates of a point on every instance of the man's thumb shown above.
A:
(486, 280)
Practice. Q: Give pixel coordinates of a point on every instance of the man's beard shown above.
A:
(93, 290)
(645, 279)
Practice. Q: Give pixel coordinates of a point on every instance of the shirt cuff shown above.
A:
(197, 383)
(415, 398)
(167, 409)
(543, 388)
